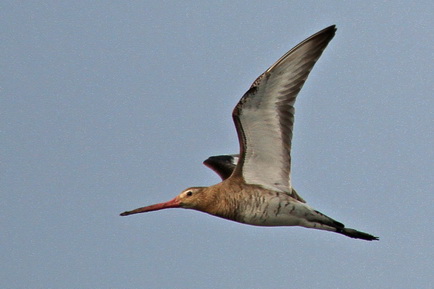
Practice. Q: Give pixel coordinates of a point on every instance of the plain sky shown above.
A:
(107, 106)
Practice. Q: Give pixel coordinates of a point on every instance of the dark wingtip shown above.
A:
(331, 27)
(124, 214)
(331, 31)
(223, 165)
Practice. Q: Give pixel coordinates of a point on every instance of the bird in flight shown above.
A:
(256, 184)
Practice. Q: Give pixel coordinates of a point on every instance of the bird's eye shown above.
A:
(189, 193)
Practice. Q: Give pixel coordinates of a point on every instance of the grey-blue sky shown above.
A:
(107, 106)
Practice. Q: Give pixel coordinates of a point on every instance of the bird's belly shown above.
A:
(275, 212)
(280, 220)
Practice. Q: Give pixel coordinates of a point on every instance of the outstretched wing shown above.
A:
(264, 116)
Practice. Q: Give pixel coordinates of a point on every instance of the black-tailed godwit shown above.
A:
(256, 184)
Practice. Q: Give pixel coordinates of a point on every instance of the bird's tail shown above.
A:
(327, 223)
(356, 234)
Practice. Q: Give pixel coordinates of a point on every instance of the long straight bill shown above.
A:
(166, 205)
